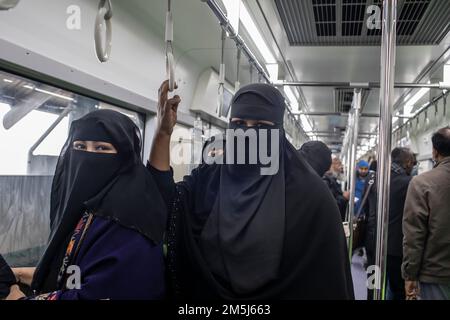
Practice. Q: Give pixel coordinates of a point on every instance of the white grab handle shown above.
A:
(169, 26)
(170, 60)
(103, 46)
(170, 70)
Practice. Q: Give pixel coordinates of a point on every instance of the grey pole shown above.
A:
(388, 50)
(352, 165)
(363, 85)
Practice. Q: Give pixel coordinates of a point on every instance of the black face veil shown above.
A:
(244, 235)
(242, 240)
(114, 186)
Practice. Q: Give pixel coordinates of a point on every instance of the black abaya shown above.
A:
(280, 238)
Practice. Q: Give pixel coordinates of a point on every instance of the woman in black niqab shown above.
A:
(107, 216)
(237, 234)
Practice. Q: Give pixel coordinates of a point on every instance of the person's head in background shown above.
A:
(415, 170)
(441, 144)
(373, 166)
(404, 158)
(336, 166)
(318, 156)
(363, 168)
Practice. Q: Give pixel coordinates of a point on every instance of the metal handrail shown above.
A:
(388, 51)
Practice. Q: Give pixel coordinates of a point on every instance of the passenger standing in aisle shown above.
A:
(318, 156)
(235, 233)
(361, 174)
(402, 164)
(331, 179)
(426, 227)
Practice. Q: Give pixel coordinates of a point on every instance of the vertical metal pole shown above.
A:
(348, 164)
(388, 50)
(352, 167)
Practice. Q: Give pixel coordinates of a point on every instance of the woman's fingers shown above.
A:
(163, 95)
(163, 92)
(173, 103)
(175, 100)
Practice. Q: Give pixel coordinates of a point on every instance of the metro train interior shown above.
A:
(363, 77)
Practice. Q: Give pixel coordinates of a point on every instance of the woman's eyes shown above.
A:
(102, 148)
(263, 124)
(258, 124)
(79, 146)
(98, 148)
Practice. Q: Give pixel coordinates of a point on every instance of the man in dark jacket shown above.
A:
(402, 164)
(331, 179)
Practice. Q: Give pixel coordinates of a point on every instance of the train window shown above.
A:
(34, 124)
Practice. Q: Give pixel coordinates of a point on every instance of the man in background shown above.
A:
(361, 174)
(331, 179)
(401, 168)
(426, 227)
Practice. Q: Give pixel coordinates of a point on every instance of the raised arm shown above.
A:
(167, 118)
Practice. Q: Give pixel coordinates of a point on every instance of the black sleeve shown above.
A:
(342, 204)
(164, 181)
(337, 194)
(168, 188)
(7, 278)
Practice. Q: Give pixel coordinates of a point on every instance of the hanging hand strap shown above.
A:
(237, 84)
(221, 76)
(170, 67)
(103, 44)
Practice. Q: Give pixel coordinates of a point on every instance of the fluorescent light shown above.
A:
(54, 94)
(273, 71)
(305, 123)
(256, 36)
(292, 98)
(394, 120)
(7, 80)
(233, 12)
(411, 102)
(49, 93)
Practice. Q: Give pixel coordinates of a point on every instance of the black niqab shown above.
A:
(243, 238)
(113, 186)
(248, 236)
